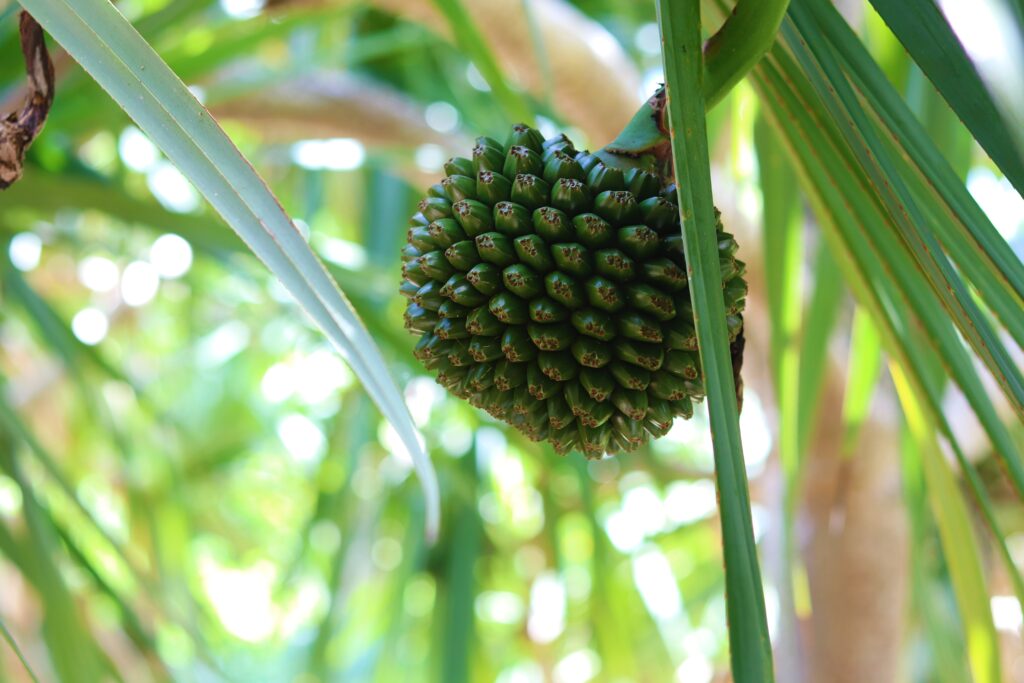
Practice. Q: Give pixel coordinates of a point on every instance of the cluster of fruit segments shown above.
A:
(550, 290)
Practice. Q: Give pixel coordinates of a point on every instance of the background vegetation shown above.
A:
(194, 486)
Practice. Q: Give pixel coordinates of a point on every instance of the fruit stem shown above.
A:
(739, 44)
(728, 55)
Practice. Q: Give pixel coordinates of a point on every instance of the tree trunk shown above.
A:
(854, 536)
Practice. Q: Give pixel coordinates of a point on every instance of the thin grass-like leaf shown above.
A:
(861, 377)
(130, 621)
(836, 93)
(74, 652)
(961, 225)
(783, 255)
(949, 661)
(474, 44)
(17, 651)
(750, 648)
(783, 268)
(457, 628)
(959, 544)
(930, 40)
(870, 252)
(820, 321)
(824, 176)
(107, 46)
(783, 242)
(12, 426)
(609, 624)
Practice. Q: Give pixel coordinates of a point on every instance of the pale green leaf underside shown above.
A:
(111, 50)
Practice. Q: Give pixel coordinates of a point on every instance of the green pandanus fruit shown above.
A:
(549, 287)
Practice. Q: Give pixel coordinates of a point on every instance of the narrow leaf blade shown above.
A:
(750, 648)
(930, 40)
(110, 49)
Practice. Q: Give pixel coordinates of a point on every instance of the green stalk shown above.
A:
(749, 645)
(17, 651)
(475, 46)
(739, 44)
(747, 34)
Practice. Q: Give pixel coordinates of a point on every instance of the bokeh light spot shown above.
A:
(98, 273)
(476, 79)
(171, 188)
(334, 154)
(25, 251)
(10, 497)
(430, 157)
(442, 117)
(301, 437)
(547, 608)
(171, 255)
(136, 150)
(648, 39)
(577, 667)
(90, 326)
(139, 283)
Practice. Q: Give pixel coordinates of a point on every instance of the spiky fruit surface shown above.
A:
(550, 290)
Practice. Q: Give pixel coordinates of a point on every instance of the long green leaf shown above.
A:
(106, 45)
(861, 377)
(750, 647)
(972, 225)
(456, 624)
(822, 161)
(783, 258)
(889, 273)
(837, 95)
(11, 423)
(73, 650)
(822, 315)
(16, 430)
(783, 242)
(823, 174)
(17, 651)
(963, 228)
(930, 40)
(959, 544)
(783, 267)
(130, 622)
(474, 44)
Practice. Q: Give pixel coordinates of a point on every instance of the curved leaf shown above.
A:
(112, 51)
(928, 37)
(959, 543)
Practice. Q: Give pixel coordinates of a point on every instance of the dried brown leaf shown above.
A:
(18, 129)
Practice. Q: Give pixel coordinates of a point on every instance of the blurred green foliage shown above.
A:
(194, 487)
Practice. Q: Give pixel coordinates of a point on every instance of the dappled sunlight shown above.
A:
(196, 485)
